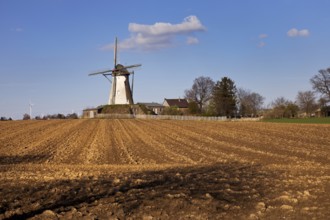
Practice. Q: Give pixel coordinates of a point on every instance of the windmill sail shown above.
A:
(115, 53)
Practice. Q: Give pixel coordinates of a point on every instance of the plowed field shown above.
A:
(163, 169)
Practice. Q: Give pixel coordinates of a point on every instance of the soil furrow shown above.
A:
(156, 149)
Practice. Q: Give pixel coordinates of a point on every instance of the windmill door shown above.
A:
(91, 114)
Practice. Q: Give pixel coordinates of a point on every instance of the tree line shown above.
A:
(5, 119)
(222, 98)
(54, 116)
(307, 102)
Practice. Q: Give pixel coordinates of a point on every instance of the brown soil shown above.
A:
(150, 169)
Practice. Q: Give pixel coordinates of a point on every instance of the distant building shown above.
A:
(114, 111)
(181, 104)
(153, 106)
(91, 112)
(323, 112)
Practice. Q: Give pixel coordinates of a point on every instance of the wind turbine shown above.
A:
(30, 106)
(121, 92)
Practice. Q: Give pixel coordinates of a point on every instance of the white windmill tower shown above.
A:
(120, 92)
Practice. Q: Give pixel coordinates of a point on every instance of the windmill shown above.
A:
(120, 92)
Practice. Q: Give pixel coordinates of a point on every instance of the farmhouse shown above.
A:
(180, 104)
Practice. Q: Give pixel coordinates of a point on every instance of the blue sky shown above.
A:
(48, 48)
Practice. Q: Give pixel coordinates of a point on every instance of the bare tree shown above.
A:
(322, 102)
(283, 108)
(249, 102)
(201, 91)
(306, 101)
(321, 82)
(26, 117)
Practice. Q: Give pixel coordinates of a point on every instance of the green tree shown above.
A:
(224, 98)
(323, 106)
(173, 110)
(193, 108)
(291, 110)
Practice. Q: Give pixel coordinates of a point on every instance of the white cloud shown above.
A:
(304, 33)
(159, 35)
(261, 44)
(293, 32)
(18, 29)
(262, 36)
(189, 24)
(192, 40)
